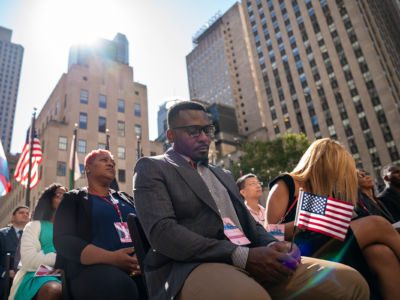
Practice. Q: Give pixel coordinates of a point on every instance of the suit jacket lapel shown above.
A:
(192, 178)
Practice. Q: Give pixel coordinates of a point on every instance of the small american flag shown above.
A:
(22, 169)
(324, 214)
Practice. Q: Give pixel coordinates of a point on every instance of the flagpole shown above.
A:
(31, 136)
(114, 183)
(299, 202)
(72, 174)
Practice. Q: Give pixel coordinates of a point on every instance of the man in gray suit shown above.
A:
(185, 204)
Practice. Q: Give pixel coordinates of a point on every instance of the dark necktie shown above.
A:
(20, 233)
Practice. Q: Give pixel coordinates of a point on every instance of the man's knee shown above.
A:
(221, 281)
(342, 281)
(321, 279)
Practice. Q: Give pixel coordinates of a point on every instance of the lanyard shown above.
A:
(290, 208)
(365, 208)
(108, 201)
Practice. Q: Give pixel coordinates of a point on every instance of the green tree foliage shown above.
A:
(268, 159)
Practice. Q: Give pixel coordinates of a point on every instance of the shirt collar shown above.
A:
(192, 163)
(16, 229)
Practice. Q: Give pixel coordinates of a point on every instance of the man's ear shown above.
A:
(242, 192)
(170, 136)
(386, 178)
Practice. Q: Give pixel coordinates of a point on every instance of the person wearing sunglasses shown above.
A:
(204, 242)
(367, 203)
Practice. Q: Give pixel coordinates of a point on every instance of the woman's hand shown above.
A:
(54, 272)
(124, 260)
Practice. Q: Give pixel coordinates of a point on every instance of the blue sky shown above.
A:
(159, 35)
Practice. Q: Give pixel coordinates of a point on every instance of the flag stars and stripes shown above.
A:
(317, 207)
(22, 168)
(326, 215)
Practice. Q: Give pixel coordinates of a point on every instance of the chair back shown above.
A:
(139, 239)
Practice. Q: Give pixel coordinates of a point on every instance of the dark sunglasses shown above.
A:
(362, 175)
(194, 131)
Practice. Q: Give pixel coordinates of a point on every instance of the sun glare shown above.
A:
(71, 22)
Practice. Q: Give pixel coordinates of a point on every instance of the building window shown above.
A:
(121, 175)
(102, 101)
(137, 110)
(61, 168)
(152, 153)
(138, 130)
(121, 128)
(121, 105)
(62, 143)
(84, 96)
(102, 124)
(82, 146)
(101, 146)
(121, 152)
(83, 120)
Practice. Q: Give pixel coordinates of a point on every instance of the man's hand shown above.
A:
(284, 247)
(124, 260)
(11, 273)
(265, 263)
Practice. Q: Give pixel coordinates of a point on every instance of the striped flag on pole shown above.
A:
(326, 215)
(22, 169)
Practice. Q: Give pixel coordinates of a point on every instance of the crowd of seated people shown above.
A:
(327, 169)
(207, 233)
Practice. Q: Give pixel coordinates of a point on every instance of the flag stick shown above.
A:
(293, 236)
(31, 137)
(73, 150)
(299, 203)
(114, 183)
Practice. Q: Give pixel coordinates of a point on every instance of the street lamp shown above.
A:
(107, 139)
(139, 149)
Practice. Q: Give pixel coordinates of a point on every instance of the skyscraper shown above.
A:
(220, 68)
(98, 97)
(328, 69)
(10, 70)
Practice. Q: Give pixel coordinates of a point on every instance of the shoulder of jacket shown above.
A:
(34, 225)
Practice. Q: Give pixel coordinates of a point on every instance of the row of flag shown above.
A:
(21, 173)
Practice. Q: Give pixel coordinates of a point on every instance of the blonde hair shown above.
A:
(329, 170)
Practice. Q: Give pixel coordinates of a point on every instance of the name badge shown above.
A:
(123, 232)
(233, 233)
(277, 231)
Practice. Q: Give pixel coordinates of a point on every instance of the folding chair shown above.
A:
(139, 241)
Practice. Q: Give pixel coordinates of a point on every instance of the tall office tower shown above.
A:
(162, 123)
(220, 68)
(97, 93)
(323, 68)
(10, 69)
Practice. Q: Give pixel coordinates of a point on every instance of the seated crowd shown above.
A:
(209, 236)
